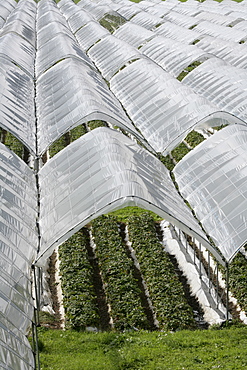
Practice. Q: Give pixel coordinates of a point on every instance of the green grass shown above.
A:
(190, 350)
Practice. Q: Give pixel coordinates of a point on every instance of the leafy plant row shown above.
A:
(79, 296)
(121, 288)
(166, 291)
(238, 280)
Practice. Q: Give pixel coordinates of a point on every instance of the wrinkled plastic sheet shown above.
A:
(79, 19)
(46, 33)
(4, 11)
(17, 103)
(133, 34)
(60, 46)
(213, 179)
(47, 13)
(216, 30)
(68, 9)
(222, 84)
(182, 20)
(20, 28)
(19, 51)
(18, 248)
(173, 56)
(146, 20)
(162, 108)
(70, 94)
(230, 51)
(110, 54)
(98, 173)
(221, 19)
(88, 35)
(179, 33)
(128, 11)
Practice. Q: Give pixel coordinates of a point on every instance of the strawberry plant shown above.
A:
(166, 292)
(76, 274)
(116, 267)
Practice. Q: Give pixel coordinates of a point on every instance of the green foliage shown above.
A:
(179, 152)
(238, 279)
(166, 291)
(123, 214)
(95, 124)
(190, 350)
(188, 69)
(14, 144)
(116, 267)
(112, 22)
(167, 161)
(76, 275)
(194, 138)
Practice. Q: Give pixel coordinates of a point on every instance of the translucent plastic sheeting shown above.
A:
(19, 51)
(221, 19)
(70, 94)
(189, 8)
(48, 13)
(98, 173)
(2, 21)
(161, 107)
(146, 20)
(158, 10)
(4, 11)
(133, 34)
(110, 54)
(46, 33)
(88, 35)
(128, 11)
(213, 178)
(20, 27)
(181, 19)
(68, 9)
(60, 46)
(179, 33)
(216, 30)
(241, 26)
(17, 103)
(172, 55)
(78, 20)
(18, 248)
(222, 84)
(230, 51)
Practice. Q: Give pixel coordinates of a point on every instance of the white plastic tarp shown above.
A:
(176, 32)
(222, 32)
(161, 107)
(70, 94)
(110, 54)
(88, 35)
(98, 173)
(213, 178)
(17, 103)
(146, 20)
(133, 34)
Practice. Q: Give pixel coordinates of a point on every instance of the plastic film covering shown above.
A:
(221, 19)
(241, 26)
(47, 13)
(110, 54)
(61, 107)
(161, 107)
(78, 20)
(98, 173)
(159, 10)
(213, 178)
(17, 103)
(172, 55)
(179, 33)
(221, 83)
(4, 11)
(22, 21)
(230, 51)
(68, 9)
(181, 19)
(133, 34)
(216, 30)
(146, 20)
(18, 248)
(128, 11)
(19, 51)
(190, 8)
(88, 35)
(46, 33)
(60, 47)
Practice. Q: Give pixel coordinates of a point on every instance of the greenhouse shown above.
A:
(150, 74)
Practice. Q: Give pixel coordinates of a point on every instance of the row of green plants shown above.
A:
(116, 267)
(79, 298)
(166, 291)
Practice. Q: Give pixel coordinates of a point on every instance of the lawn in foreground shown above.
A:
(189, 350)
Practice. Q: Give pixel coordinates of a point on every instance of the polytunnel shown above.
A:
(56, 76)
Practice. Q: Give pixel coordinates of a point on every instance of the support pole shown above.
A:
(227, 291)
